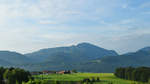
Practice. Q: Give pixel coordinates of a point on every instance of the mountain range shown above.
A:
(80, 52)
(83, 57)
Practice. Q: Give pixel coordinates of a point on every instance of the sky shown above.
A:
(30, 25)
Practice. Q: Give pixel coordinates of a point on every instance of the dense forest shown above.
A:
(137, 74)
(14, 76)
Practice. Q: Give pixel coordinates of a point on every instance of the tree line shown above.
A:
(137, 74)
(14, 76)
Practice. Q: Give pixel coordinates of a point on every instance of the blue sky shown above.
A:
(29, 25)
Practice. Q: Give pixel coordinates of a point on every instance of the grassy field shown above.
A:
(106, 78)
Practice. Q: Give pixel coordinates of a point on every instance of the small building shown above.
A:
(64, 72)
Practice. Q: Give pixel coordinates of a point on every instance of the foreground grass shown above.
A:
(106, 78)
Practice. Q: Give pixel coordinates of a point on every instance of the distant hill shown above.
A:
(71, 54)
(108, 64)
(146, 49)
(12, 58)
(4, 63)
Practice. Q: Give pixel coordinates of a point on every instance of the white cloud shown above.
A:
(60, 10)
(128, 21)
(48, 22)
(124, 6)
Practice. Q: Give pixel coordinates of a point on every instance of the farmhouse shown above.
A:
(64, 72)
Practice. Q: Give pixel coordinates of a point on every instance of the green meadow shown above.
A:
(105, 78)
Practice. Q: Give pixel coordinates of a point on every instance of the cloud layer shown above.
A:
(29, 25)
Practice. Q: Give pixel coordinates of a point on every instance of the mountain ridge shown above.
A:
(83, 50)
(84, 57)
(13, 57)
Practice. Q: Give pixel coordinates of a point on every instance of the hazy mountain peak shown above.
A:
(88, 45)
(85, 44)
(82, 51)
(147, 49)
(9, 52)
